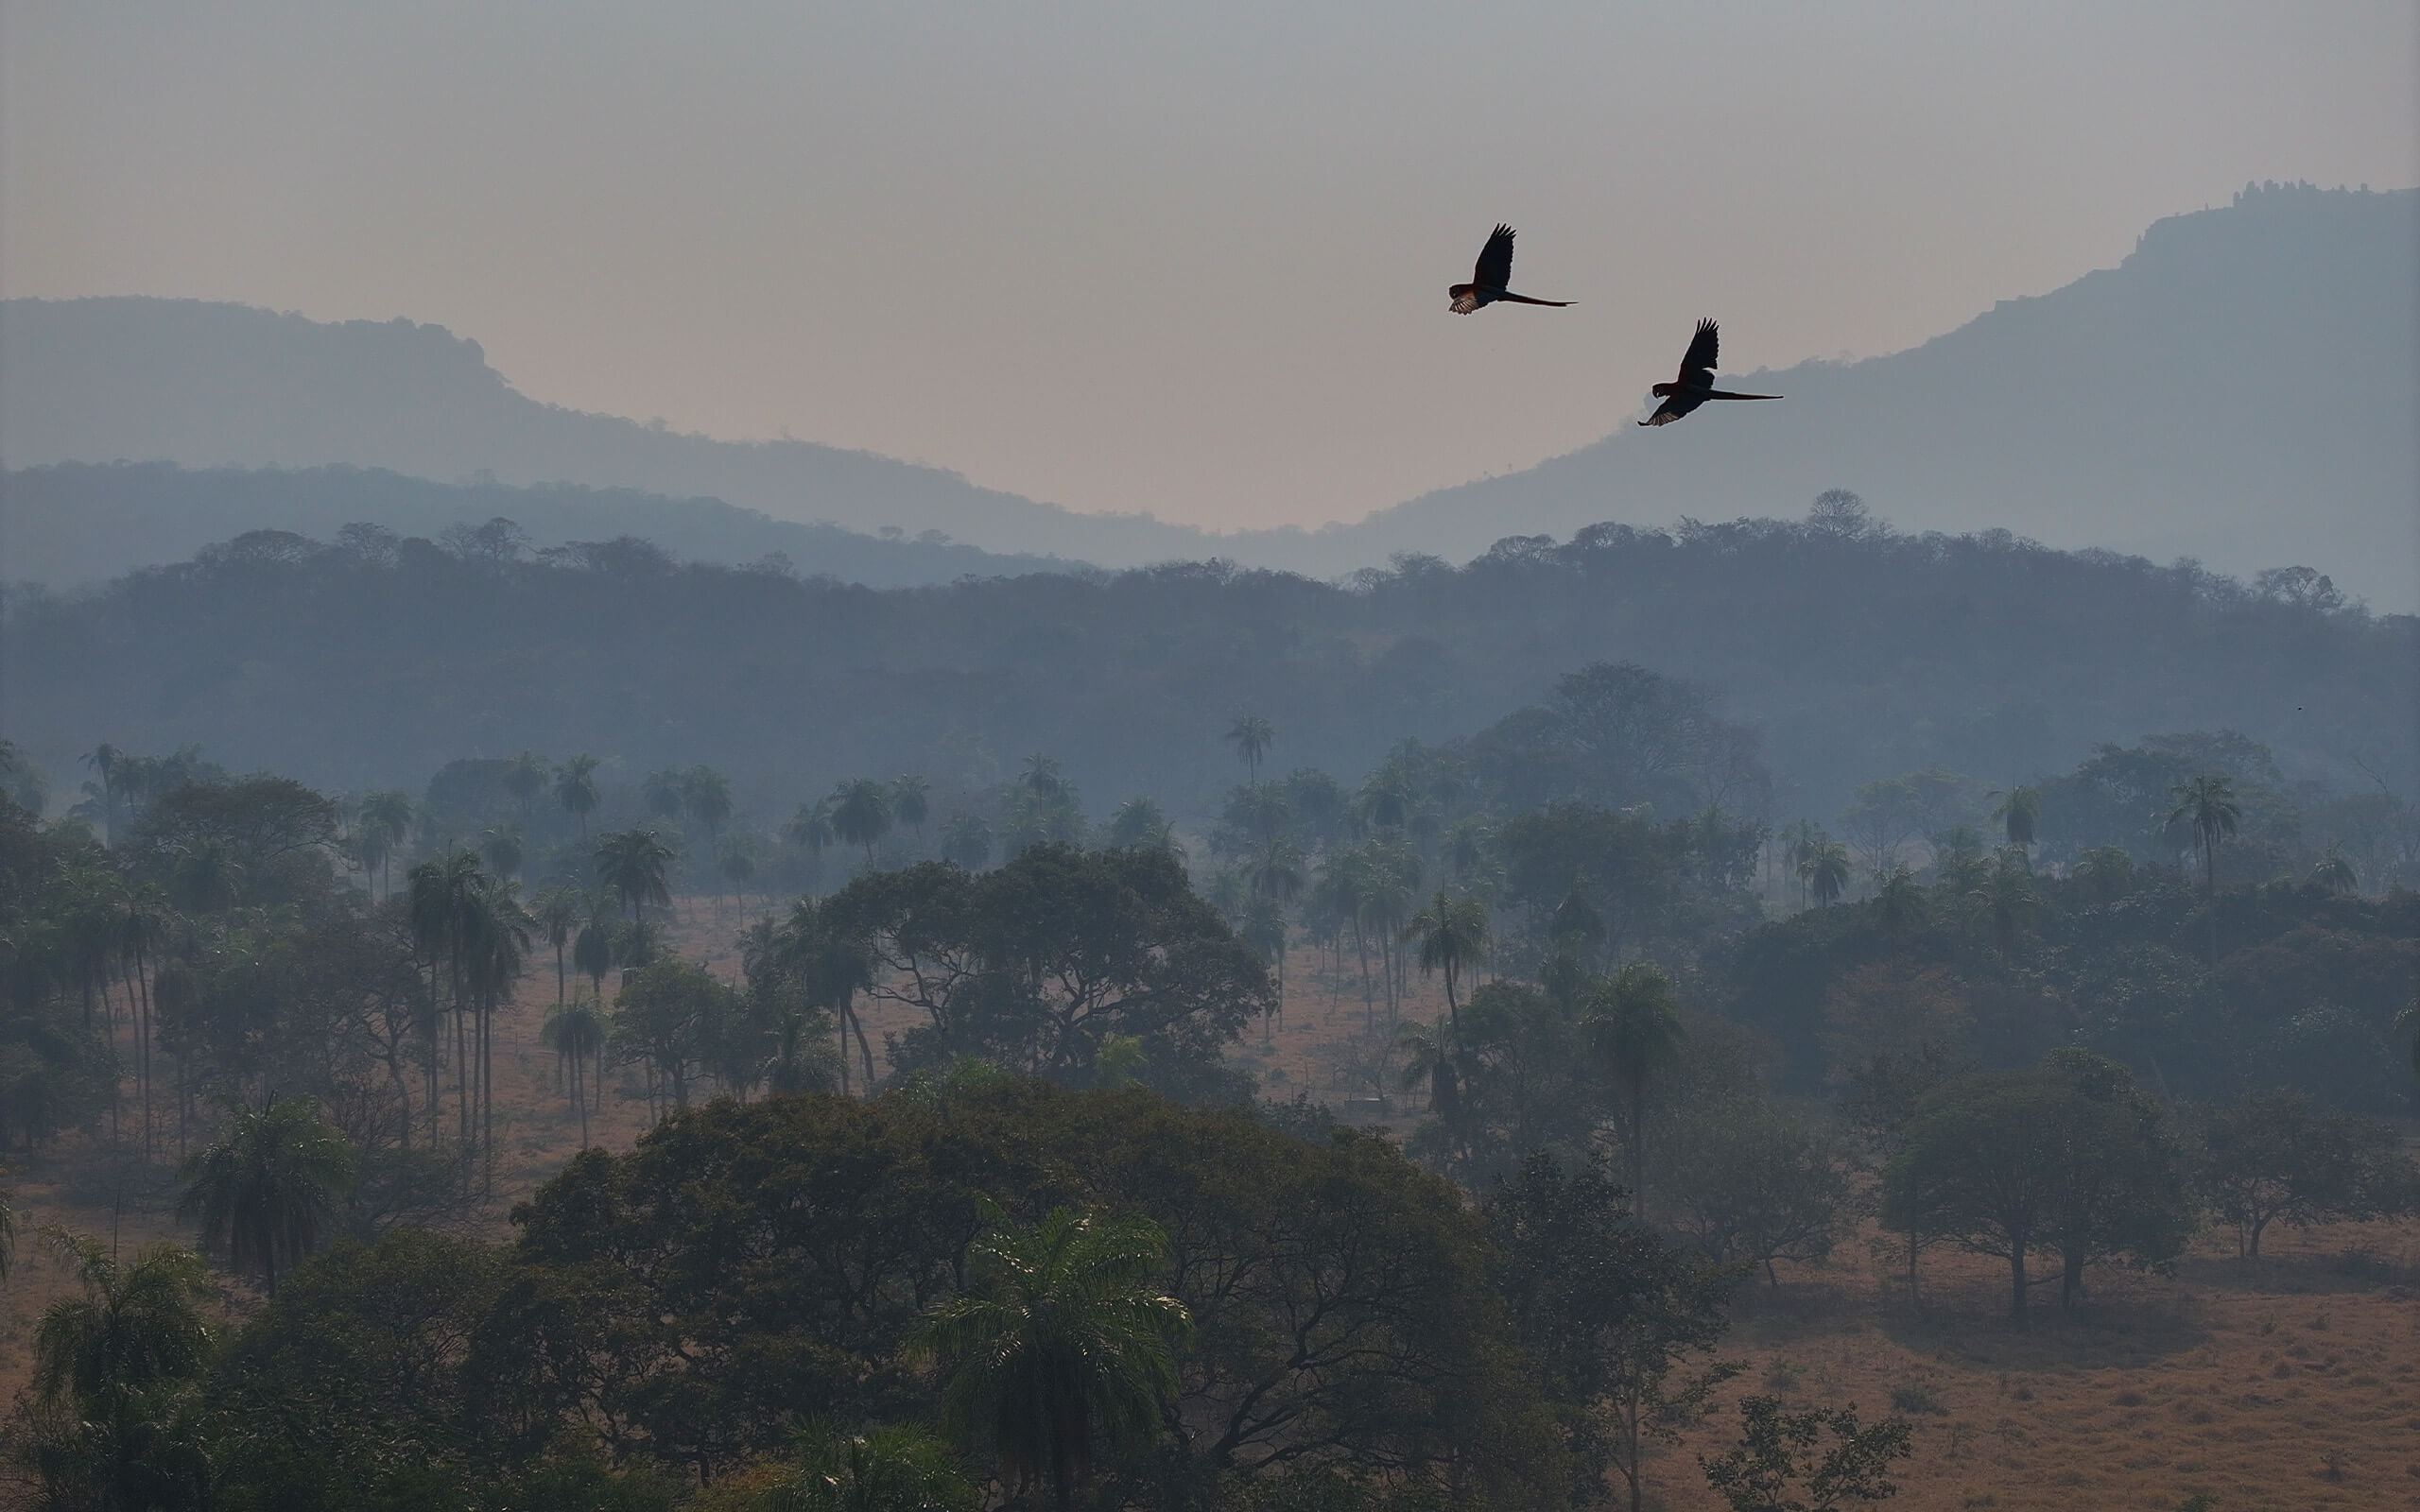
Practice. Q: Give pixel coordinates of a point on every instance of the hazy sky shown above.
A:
(1189, 259)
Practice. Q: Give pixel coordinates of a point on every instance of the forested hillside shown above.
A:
(1849, 652)
(70, 525)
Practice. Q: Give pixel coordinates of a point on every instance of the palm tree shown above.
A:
(911, 802)
(104, 1355)
(1825, 871)
(373, 847)
(389, 818)
(1390, 890)
(500, 847)
(1633, 1030)
(2017, 814)
(861, 813)
(829, 968)
(1798, 842)
(103, 759)
(1061, 1338)
(1386, 798)
(1040, 807)
(2205, 807)
(1260, 813)
(1043, 775)
(438, 905)
(1429, 1056)
(266, 1184)
(810, 830)
(632, 862)
(2005, 896)
(1140, 822)
(1575, 918)
(705, 798)
(1252, 737)
(1900, 900)
(496, 941)
(894, 1468)
(525, 778)
(134, 1327)
(660, 790)
(736, 863)
(2332, 873)
(576, 789)
(561, 909)
(474, 922)
(1452, 932)
(575, 1033)
(1467, 850)
(966, 841)
(1274, 874)
(2107, 870)
(593, 949)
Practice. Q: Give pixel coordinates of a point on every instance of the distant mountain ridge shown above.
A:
(2242, 388)
(73, 523)
(226, 386)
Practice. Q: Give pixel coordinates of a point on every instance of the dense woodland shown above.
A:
(1852, 652)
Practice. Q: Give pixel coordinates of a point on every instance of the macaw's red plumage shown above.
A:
(1488, 279)
(1695, 384)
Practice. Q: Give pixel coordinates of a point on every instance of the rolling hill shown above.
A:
(212, 385)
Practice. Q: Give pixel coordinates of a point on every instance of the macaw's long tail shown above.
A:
(1523, 298)
(1716, 393)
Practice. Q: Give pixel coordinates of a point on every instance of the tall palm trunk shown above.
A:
(1635, 1087)
(851, 1020)
(138, 1004)
(432, 1042)
(391, 1053)
(1369, 988)
(464, 1066)
(143, 1038)
(580, 1090)
(487, 1091)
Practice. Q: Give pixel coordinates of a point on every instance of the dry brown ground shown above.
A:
(2292, 1385)
(2283, 1385)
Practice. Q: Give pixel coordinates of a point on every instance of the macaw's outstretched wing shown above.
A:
(1495, 270)
(1704, 348)
(1676, 404)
